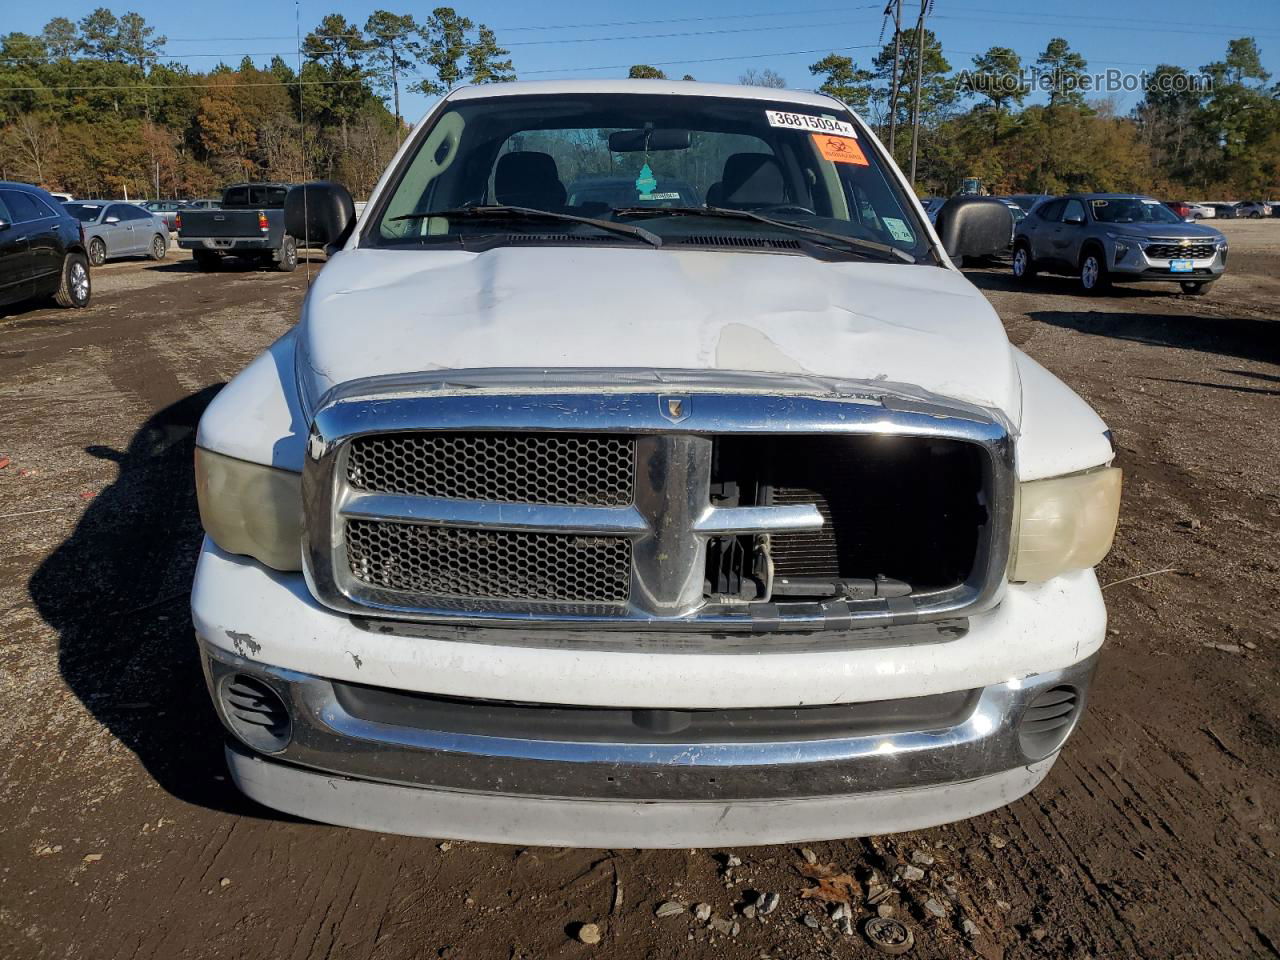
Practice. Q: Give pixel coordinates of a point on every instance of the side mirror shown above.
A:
(4, 224)
(974, 227)
(320, 213)
(111, 220)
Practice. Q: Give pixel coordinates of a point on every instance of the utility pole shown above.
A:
(915, 111)
(395, 86)
(893, 95)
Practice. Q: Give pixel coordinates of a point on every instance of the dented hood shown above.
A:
(379, 312)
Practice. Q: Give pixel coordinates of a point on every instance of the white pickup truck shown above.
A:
(657, 520)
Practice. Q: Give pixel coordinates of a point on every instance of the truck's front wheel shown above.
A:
(287, 259)
(1024, 268)
(1093, 272)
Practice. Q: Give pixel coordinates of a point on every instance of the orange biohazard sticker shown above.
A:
(839, 149)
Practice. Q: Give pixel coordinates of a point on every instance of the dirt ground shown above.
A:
(1155, 836)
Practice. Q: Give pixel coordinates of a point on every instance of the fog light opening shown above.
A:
(1048, 721)
(256, 713)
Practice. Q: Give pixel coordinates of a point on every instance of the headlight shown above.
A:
(1122, 250)
(251, 509)
(1064, 523)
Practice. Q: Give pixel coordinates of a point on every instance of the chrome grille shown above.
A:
(1174, 251)
(547, 468)
(444, 562)
(481, 507)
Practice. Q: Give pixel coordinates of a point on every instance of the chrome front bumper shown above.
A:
(1138, 266)
(988, 736)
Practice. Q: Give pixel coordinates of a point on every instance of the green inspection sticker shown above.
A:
(899, 230)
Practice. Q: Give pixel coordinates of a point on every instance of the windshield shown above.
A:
(1132, 210)
(84, 212)
(627, 158)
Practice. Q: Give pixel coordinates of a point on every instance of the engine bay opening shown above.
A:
(902, 516)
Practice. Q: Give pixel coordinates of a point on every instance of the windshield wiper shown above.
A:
(885, 250)
(505, 212)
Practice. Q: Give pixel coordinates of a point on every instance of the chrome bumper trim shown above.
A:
(326, 737)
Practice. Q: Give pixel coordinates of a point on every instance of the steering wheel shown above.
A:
(787, 208)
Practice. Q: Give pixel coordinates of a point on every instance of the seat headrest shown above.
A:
(752, 179)
(527, 178)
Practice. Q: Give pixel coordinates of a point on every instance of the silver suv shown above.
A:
(1106, 237)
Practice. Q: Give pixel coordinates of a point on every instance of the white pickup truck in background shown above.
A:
(647, 521)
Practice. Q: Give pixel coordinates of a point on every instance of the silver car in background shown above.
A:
(1113, 237)
(166, 210)
(117, 229)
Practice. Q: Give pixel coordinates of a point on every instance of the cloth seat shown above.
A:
(528, 178)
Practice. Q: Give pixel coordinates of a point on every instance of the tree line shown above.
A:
(1211, 133)
(91, 106)
(1208, 133)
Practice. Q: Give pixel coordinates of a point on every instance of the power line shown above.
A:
(1142, 21)
(675, 63)
(1102, 26)
(180, 86)
(570, 26)
(687, 33)
(518, 43)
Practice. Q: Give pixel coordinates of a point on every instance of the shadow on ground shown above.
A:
(118, 593)
(187, 264)
(1046, 284)
(1244, 337)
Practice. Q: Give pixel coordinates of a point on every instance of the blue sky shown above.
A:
(557, 38)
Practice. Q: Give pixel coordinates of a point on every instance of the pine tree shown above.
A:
(1064, 68)
(445, 36)
(485, 63)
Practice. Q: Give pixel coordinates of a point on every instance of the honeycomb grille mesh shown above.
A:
(544, 468)
(451, 563)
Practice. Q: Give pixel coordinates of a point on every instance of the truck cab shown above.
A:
(647, 523)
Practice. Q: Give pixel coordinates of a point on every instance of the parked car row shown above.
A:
(167, 210)
(1251, 209)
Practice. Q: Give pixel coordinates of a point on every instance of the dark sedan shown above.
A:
(42, 249)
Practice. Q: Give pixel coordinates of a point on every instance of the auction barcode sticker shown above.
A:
(809, 123)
